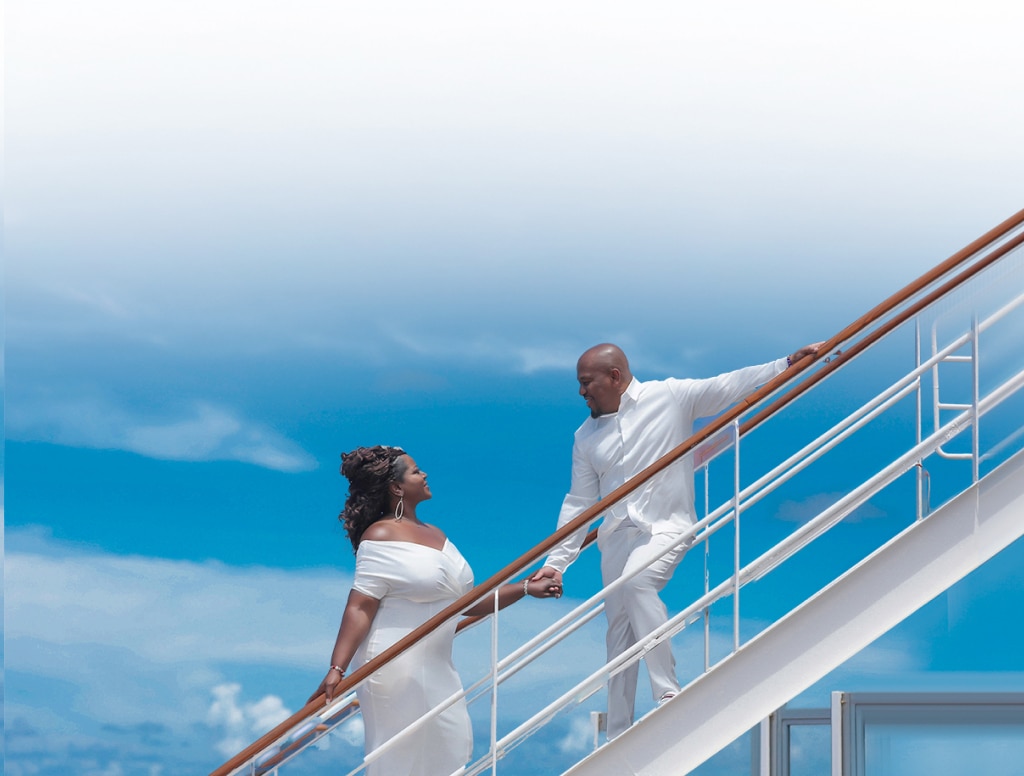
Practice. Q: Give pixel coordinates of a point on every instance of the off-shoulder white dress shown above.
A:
(412, 582)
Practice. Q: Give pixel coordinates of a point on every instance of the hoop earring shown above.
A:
(400, 509)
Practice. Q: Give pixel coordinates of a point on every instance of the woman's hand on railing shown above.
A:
(328, 685)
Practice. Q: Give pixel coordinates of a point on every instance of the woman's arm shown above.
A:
(355, 624)
(515, 591)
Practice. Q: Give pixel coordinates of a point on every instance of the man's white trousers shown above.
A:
(634, 610)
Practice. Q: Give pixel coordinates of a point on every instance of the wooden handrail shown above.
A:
(834, 361)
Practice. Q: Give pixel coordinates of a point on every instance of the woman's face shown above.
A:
(413, 482)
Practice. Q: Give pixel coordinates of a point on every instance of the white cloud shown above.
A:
(536, 359)
(351, 732)
(265, 713)
(512, 350)
(99, 300)
(200, 432)
(242, 722)
(580, 736)
(163, 610)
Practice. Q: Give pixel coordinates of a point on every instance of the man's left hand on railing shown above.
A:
(806, 350)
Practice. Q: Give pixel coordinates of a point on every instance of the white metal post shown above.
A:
(707, 579)
(837, 733)
(975, 398)
(494, 686)
(764, 759)
(920, 409)
(736, 534)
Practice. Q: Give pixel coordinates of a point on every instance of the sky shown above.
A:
(242, 238)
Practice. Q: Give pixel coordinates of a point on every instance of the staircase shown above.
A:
(935, 445)
(817, 637)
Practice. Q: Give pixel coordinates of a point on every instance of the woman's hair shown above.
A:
(369, 471)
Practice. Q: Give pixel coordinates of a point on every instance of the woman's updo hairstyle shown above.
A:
(369, 471)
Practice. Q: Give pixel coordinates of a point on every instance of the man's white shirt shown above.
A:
(654, 417)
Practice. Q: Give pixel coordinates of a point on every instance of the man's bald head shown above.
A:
(606, 357)
(603, 374)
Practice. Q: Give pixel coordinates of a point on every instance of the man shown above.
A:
(632, 424)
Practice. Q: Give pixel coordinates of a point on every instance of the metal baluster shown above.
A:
(736, 526)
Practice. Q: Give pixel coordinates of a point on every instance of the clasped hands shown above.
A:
(547, 581)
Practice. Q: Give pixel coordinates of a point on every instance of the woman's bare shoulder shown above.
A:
(381, 531)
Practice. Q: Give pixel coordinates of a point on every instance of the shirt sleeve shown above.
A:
(375, 570)
(714, 394)
(584, 492)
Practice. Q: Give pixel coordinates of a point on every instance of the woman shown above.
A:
(406, 572)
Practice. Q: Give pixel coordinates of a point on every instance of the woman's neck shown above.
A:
(409, 513)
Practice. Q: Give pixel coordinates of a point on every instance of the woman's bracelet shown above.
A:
(339, 669)
(526, 587)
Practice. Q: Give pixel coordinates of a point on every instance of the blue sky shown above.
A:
(241, 238)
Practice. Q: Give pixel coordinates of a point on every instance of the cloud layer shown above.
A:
(103, 649)
(444, 164)
(200, 432)
(127, 658)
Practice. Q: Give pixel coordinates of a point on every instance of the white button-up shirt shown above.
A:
(653, 418)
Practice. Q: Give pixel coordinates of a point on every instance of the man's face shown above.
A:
(600, 387)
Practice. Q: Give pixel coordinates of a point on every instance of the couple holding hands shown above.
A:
(408, 570)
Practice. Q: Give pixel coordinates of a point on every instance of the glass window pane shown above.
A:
(810, 750)
(925, 750)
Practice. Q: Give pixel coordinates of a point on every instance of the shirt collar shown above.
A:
(630, 396)
(632, 392)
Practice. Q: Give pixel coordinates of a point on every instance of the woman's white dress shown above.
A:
(412, 582)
